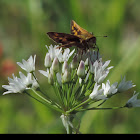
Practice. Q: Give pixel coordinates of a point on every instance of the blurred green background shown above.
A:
(23, 27)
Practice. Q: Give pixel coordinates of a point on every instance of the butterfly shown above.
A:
(79, 37)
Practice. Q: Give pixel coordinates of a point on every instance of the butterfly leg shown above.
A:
(96, 47)
(84, 46)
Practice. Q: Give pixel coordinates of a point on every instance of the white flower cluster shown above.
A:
(108, 90)
(77, 79)
(19, 85)
(56, 62)
(65, 66)
(84, 65)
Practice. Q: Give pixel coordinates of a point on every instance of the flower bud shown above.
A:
(50, 78)
(55, 65)
(66, 76)
(81, 69)
(47, 61)
(74, 63)
(87, 62)
(65, 66)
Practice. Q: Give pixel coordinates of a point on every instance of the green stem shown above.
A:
(33, 73)
(35, 77)
(86, 101)
(69, 130)
(101, 103)
(94, 108)
(39, 89)
(48, 103)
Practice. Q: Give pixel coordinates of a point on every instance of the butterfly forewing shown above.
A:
(79, 31)
(63, 37)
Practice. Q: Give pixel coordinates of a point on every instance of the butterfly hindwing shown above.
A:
(69, 45)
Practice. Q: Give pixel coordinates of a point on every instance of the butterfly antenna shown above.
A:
(102, 36)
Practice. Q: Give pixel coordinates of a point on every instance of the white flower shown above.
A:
(15, 86)
(45, 73)
(97, 94)
(100, 71)
(57, 52)
(133, 101)
(109, 90)
(65, 55)
(53, 51)
(18, 85)
(125, 85)
(28, 65)
(25, 80)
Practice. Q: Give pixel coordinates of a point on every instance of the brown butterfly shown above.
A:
(79, 37)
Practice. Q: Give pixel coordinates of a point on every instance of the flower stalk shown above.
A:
(77, 79)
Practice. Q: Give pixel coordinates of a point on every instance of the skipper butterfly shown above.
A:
(79, 37)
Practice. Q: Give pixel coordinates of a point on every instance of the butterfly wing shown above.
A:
(63, 37)
(79, 31)
(70, 45)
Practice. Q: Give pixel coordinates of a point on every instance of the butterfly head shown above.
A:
(91, 42)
